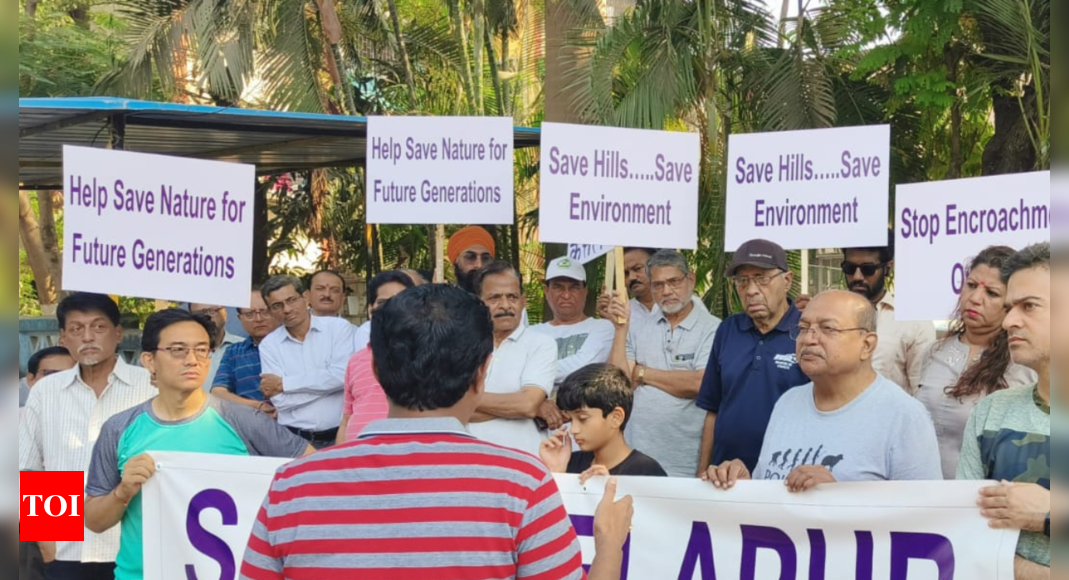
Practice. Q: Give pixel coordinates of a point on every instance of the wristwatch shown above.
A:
(1046, 527)
(641, 376)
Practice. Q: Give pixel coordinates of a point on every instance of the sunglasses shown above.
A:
(867, 270)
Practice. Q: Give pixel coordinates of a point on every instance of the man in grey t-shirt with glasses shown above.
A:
(850, 424)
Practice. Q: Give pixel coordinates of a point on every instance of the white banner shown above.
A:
(149, 226)
(619, 187)
(941, 226)
(827, 188)
(586, 253)
(440, 170)
(199, 511)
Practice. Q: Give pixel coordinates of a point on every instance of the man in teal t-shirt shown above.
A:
(177, 347)
(1008, 436)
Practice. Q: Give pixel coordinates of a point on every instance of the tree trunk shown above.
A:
(560, 21)
(410, 78)
(499, 97)
(49, 234)
(260, 242)
(478, 29)
(456, 15)
(80, 15)
(1010, 150)
(36, 254)
(957, 156)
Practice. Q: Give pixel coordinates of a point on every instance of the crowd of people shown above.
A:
(450, 405)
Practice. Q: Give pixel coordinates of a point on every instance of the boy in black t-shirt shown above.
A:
(598, 400)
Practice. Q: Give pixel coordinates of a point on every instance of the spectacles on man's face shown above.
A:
(867, 270)
(743, 282)
(209, 312)
(289, 302)
(475, 259)
(673, 283)
(823, 331)
(96, 329)
(181, 352)
(254, 314)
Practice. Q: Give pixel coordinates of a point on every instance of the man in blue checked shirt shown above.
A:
(238, 379)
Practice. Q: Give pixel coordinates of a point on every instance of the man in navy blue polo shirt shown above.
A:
(753, 360)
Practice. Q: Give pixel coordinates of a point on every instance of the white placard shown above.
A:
(586, 253)
(1060, 206)
(440, 170)
(827, 188)
(619, 187)
(199, 511)
(941, 226)
(149, 226)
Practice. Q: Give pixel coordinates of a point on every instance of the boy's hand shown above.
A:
(556, 451)
(726, 475)
(595, 471)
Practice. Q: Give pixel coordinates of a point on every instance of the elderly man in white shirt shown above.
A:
(522, 369)
(304, 363)
(64, 414)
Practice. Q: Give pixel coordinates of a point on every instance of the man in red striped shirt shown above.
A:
(416, 497)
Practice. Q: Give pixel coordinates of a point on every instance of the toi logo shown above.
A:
(52, 506)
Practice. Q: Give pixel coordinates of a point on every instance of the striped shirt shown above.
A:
(239, 371)
(414, 500)
(61, 424)
(365, 401)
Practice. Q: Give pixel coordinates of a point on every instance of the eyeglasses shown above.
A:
(291, 301)
(203, 353)
(673, 283)
(208, 311)
(867, 270)
(802, 331)
(743, 282)
(473, 258)
(254, 314)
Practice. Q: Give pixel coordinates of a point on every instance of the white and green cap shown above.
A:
(566, 268)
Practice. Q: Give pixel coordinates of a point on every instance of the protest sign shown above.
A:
(586, 253)
(1059, 209)
(827, 188)
(619, 187)
(941, 225)
(440, 170)
(199, 511)
(149, 226)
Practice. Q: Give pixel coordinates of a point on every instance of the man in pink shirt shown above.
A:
(365, 401)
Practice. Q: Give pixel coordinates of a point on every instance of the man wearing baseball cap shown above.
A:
(470, 250)
(753, 362)
(581, 340)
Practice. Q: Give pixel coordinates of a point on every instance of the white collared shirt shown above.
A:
(902, 348)
(217, 357)
(60, 427)
(525, 359)
(313, 373)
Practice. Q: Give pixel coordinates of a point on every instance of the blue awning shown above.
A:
(275, 142)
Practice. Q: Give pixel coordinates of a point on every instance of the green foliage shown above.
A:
(58, 58)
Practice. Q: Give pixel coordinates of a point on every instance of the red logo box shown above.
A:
(52, 506)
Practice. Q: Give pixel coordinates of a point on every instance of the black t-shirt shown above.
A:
(637, 464)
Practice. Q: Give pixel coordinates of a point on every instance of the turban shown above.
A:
(468, 237)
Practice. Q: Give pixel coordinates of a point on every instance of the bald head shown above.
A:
(851, 304)
(839, 336)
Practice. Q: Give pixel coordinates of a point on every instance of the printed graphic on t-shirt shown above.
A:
(786, 461)
(786, 362)
(570, 346)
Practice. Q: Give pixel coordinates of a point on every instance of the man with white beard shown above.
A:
(64, 414)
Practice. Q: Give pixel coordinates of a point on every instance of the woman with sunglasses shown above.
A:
(973, 361)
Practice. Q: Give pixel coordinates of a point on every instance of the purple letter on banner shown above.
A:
(204, 541)
(906, 547)
(584, 527)
(818, 555)
(699, 551)
(756, 538)
(866, 550)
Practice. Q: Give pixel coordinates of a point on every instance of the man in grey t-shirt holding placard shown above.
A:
(849, 424)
